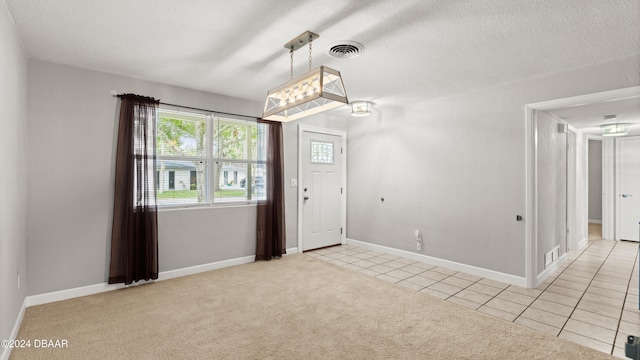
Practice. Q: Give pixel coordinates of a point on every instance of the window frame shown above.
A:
(212, 160)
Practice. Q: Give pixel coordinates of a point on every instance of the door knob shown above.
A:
(306, 198)
(626, 195)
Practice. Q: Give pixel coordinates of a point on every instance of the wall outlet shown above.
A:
(18, 281)
(294, 182)
(418, 235)
(418, 246)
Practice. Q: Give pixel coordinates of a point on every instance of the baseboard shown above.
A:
(469, 269)
(595, 221)
(164, 275)
(550, 269)
(6, 352)
(583, 243)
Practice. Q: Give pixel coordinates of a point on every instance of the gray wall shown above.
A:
(13, 176)
(72, 124)
(551, 158)
(595, 180)
(455, 168)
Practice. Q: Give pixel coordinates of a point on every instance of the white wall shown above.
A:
(595, 180)
(464, 159)
(72, 125)
(13, 176)
(551, 162)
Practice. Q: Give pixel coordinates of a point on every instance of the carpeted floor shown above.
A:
(297, 307)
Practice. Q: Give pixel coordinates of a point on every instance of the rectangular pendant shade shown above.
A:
(318, 90)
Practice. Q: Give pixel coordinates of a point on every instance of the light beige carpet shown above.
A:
(297, 307)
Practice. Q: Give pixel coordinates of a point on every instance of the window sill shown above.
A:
(181, 207)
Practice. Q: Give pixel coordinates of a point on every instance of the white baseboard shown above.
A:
(583, 243)
(6, 352)
(163, 275)
(550, 269)
(469, 269)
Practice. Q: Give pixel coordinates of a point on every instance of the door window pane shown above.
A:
(321, 152)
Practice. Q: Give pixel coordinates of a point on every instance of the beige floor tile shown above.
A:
(610, 286)
(413, 269)
(444, 270)
(624, 276)
(445, 288)
(564, 291)
(592, 331)
(377, 260)
(532, 324)
(406, 261)
(570, 284)
(631, 302)
(462, 283)
(545, 317)
(485, 289)
(603, 300)
(571, 276)
(476, 297)
(601, 309)
(464, 302)
(632, 316)
(364, 264)
(585, 341)
(421, 280)
(612, 280)
(497, 313)
(552, 307)
(399, 274)
(436, 293)
(434, 275)
(469, 277)
(595, 319)
(505, 305)
(495, 284)
(524, 291)
(380, 269)
(516, 298)
(424, 266)
(619, 352)
(394, 264)
(606, 293)
(337, 262)
(627, 328)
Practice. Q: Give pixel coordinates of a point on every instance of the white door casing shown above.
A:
(321, 188)
(628, 189)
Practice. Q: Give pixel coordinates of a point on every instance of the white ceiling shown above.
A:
(415, 49)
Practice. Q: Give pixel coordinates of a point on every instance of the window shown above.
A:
(321, 152)
(205, 159)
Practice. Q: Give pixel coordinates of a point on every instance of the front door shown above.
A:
(629, 190)
(321, 189)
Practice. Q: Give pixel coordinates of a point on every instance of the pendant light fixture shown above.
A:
(315, 91)
(614, 129)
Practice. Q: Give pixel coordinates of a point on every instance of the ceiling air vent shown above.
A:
(346, 49)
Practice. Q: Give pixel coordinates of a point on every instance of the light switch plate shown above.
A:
(294, 182)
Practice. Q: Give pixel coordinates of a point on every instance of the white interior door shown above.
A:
(321, 189)
(629, 188)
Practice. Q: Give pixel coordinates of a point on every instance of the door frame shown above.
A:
(533, 279)
(343, 181)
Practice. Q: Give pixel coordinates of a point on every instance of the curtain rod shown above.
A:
(115, 94)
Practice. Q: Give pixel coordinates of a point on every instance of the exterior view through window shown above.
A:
(206, 159)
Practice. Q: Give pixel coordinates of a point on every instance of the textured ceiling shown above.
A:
(415, 49)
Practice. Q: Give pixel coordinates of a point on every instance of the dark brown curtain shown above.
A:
(270, 229)
(134, 238)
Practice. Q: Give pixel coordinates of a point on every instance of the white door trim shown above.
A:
(343, 181)
(531, 147)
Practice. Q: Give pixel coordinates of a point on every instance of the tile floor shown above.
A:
(591, 300)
